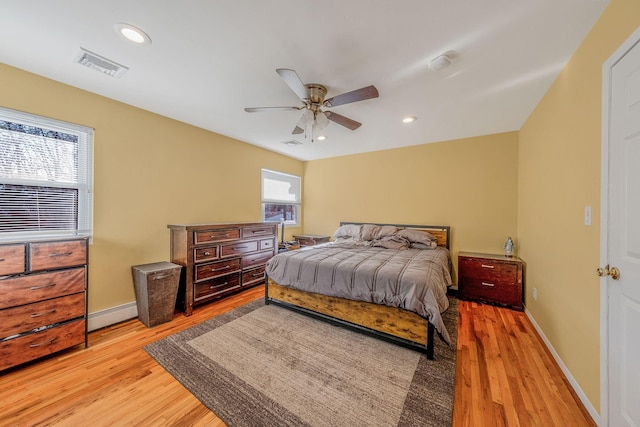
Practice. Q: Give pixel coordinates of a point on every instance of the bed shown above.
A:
(385, 280)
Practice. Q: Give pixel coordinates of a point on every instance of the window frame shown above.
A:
(84, 184)
(295, 181)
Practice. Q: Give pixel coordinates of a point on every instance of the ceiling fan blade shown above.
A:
(260, 109)
(353, 96)
(297, 130)
(342, 120)
(291, 78)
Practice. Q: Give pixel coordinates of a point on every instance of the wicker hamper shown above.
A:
(156, 287)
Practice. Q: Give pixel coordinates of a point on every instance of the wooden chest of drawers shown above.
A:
(495, 279)
(43, 299)
(220, 259)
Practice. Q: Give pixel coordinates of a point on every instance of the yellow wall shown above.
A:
(149, 171)
(469, 184)
(559, 174)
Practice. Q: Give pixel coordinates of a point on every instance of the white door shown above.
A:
(621, 223)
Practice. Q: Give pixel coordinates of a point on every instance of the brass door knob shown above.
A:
(606, 271)
(614, 273)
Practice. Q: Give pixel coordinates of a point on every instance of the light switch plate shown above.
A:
(587, 215)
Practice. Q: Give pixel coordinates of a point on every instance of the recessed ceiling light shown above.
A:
(133, 34)
(322, 138)
(409, 119)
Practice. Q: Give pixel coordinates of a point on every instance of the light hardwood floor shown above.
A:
(504, 376)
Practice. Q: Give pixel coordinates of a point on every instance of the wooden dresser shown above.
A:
(495, 279)
(220, 259)
(43, 298)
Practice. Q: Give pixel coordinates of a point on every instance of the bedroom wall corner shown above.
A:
(469, 184)
(149, 171)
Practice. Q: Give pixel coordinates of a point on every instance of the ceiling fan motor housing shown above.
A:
(317, 93)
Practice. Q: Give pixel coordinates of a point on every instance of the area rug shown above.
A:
(264, 365)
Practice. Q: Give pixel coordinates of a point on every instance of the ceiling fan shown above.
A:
(312, 96)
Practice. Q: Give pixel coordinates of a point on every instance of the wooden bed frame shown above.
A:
(388, 323)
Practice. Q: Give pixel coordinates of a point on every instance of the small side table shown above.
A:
(495, 279)
(310, 239)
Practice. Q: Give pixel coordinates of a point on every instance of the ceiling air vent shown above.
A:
(100, 63)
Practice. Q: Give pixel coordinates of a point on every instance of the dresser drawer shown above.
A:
(36, 287)
(491, 291)
(488, 269)
(250, 232)
(239, 248)
(267, 244)
(256, 259)
(28, 317)
(218, 235)
(214, 269)
(255, 275)
(205, 254)
(216, 287)
(32, 346)
(48, 255)
(12, 259)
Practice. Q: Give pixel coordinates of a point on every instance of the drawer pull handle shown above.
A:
(164, 276)
(43, 343)
(259, 232)
(239, 247)
(491, 285)
(34, 315)
(35, 288)
(60, 254)
(258, 274)
(207, 253)
(221, 268)
(487, 266)
(221, 284)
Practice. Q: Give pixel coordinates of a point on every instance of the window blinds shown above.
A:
(45, 176)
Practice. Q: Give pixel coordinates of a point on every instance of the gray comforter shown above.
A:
(412, 279)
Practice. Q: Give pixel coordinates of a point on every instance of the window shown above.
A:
(280, 197)
(45, 177)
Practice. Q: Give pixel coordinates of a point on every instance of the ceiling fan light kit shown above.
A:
(312, 96)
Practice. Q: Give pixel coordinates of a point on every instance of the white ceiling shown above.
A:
(211, 58)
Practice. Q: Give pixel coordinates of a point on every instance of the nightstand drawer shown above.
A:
(491, 291)
(310, 239)
(488, 269)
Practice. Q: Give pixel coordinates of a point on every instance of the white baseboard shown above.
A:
(576, 387)
(111, 316)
